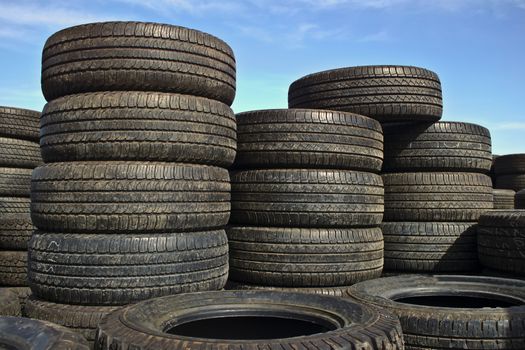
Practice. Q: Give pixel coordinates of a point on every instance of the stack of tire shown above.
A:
(509, 170)
(435, 179)
(19, 154)
(307, 201)
(134, 195)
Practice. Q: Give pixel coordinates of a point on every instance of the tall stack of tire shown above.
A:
(134, 196)
(19, 154)
(509, 170)
(307, 201)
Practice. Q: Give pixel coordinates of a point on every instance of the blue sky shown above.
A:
(476, 46)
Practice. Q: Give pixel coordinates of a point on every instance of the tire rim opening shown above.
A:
(473, 301)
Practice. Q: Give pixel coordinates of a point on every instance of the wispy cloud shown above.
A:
(375, 37)
(188, 6)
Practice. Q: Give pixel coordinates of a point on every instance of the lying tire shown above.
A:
(452, 312)
(249, 320)
(16, 153)
(136, 56)
(441, 146)
(15, 182)
(119, 269)
(385, 93)
(519, 200)
(510, 164)
(501, 240)
(515, 182)
(24, 333)
(125, 197)
(342, 291)
(503, 199)
(15, 230)
(81, 319)
(432, 196)
(291, 257)
(133, 125)
(430, 246)
(13, 268)
(19, 123)
(14, 205)
(22, 294)
(306, 198)
(301, 138)
(9, 303)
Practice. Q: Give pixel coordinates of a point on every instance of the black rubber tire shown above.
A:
(146, 126)
(22, 293)
(441, 146)
(503, 199)
(385, 93)
(501, 240)
(432, 196)
(519, 200)
(432, 327)
(514, 182)
(301, 138)
(137, 56)
(79, 318)
(116, 269)
(356, 326)
(19, 123)
(510, 164)
(14, 205)
(19, 333)
(15, 182)
(13, 268)
(126, 197)
(16, 153)
(342, 291)
(9, 303)
(430, 246)
(292, 257)
(15, 230)
(306, 198)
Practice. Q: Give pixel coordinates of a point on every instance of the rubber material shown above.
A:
(9, 304)
(19, 153)
(19, 123)
(15, 230)
(14, 205)
(510, 164)
(503, 199)
(22, 293)
(15, 182)
(13, 268)
(519, 200)
(514, 182)
(342, 291)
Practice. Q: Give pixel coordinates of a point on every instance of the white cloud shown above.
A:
(375, 37)
(188, 6)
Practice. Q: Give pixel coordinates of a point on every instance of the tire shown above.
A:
(515, 182)
(356, 326)
(291, 257)
(15, 182)
(519, 200)
(25, 333)
(19, 123)
(503, 199)
(13, 268)
(461, 325)
(510, 164)
(15, 230)
(129, 196)
(306, 198)
(136, 56)
(441, 146)
(22, 294)
(14, 205)
(444, 197)
(430, 246)
(385, 93)
(114, 269)
(288, 138)
(9, 304)
(145, 126)
(81, 319)
(19, 153)
(501, 240)
(342, 291)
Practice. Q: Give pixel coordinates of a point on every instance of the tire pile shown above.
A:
(19, 154)
(134, 195)
(509, 171)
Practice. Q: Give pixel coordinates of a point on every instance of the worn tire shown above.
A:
(13, 268)
(146, 126)
(441, 146)
(9, 303)
(510, 164)
(503, 199)
(432, 196)
(116, 269)
(515, 182)
(306, 198)
(25, 333)
(301, 138)
(291, 257)
(357, 326)
(19, 123)
(501, 240)
(438, 327)
(22, 294)
(16, 153)
(342, 291)
(136, 56)
(519, 200)
(79, 318)
(385, 93)
(15, 230)
(430, 246)
(15, 182)
(126, 197)
(14, 205)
